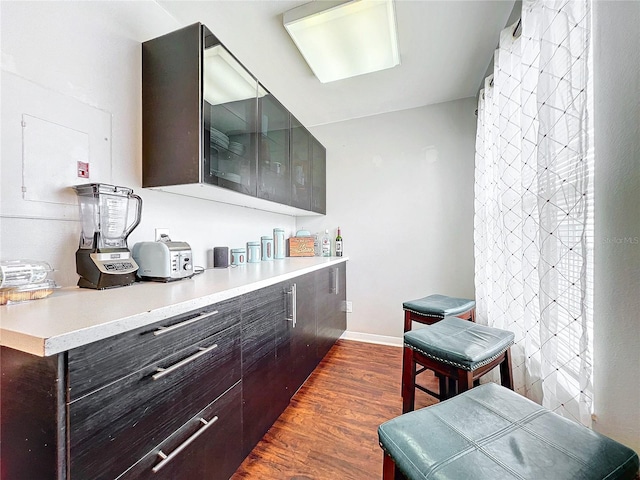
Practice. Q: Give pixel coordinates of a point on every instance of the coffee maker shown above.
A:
(103, 259)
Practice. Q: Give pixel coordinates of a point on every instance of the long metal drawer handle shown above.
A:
(332, 278)
(163, 330)
(167, 458)
(166, 371)
(294, 288)
(293, 293)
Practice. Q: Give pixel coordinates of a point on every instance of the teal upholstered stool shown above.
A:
(432, 309)
(493, 433)
(456, 349)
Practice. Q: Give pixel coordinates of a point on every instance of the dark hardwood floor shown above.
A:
(329, 430)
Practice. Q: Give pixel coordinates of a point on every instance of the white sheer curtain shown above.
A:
(534, 203)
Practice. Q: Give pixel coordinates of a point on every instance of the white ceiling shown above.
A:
(445, 49)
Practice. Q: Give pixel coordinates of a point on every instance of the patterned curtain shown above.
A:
(534, 203)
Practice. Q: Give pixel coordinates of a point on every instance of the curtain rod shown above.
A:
(518, 30)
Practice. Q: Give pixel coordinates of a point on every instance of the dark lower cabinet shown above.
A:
(208, 446)
(186, 398)
(302, 359)
(264, 325)
(331, 294)
(299, 318)
(93, 366)
(263, 400)
(115, 426)
(32, 445)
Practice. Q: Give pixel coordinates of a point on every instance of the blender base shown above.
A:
(108, 281)
(91, 276)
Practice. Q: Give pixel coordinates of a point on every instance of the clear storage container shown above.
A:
(253, 252)
(267, 249)
(279, 249)
(16, 273)
(238, 256)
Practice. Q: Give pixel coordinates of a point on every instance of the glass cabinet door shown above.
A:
(318, 177)
(274, 170)
(229, 109)
(300, 165)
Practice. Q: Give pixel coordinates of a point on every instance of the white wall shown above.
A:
(400, 185)
(617, 210)
(90, 52)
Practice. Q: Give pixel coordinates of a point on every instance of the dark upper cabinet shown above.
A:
(208, 123)
(301, 165)
(171, 108)
(229, 119)
(274, 166)
(229, 147)
(318, 177)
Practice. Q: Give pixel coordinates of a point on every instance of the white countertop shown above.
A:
(74, 316)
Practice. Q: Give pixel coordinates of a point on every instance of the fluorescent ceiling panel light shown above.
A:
(341, 39)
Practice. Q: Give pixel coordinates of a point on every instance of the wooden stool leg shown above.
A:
(443, 386)
(453, 388)
(407, 327)
(465, 380)
(408, 381)
(506, 375)
(407, 321)
(388, 468)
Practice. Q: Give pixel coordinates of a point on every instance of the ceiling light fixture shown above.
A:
(345, 38)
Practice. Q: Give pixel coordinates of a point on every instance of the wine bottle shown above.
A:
(326, 244)
(338, 244)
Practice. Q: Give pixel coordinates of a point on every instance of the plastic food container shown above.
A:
(17, 273)
(24, 293)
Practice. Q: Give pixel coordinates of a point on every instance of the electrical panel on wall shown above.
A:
(61, 142)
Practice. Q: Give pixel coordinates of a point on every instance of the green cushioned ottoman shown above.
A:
(493, 433)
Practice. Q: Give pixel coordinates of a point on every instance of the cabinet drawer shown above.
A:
(100, 363)
(211, 451)
(112, 428)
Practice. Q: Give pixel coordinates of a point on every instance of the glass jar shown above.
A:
(238, 256)
(267, 249)
(253, 252)
(278, 243)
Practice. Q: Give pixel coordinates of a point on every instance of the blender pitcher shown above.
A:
(103, 259)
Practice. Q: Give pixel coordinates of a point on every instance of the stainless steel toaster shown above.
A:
(163, 261)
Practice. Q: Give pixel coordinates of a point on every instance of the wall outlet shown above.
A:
(83, 169)
(348, 307)
(160, 232)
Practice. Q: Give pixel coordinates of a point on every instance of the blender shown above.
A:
(103, 259)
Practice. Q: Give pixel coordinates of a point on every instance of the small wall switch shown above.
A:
(160, 232)
(348, 307)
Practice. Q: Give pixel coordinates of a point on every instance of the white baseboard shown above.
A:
(372, 338)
